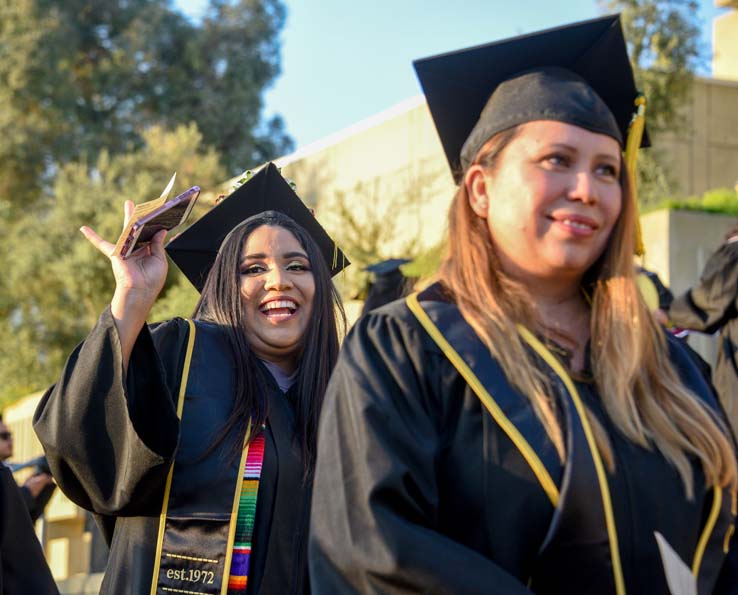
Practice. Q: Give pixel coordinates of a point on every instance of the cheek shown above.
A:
(513, 221)
(613, 205)
(309, 293)
(248, 289)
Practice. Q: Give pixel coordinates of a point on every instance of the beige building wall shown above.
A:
(390, 167)
(704, 154)
(725, 42)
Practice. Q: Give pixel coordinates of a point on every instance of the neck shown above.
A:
(287, 364)
(564, 315)
(553, 302)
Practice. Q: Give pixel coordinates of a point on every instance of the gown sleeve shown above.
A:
(109, 435)
(374, 522)
(712, 302)
(23, 569)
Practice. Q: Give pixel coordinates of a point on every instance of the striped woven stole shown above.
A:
(238, 578)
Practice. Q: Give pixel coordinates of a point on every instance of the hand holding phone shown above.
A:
(150, 217)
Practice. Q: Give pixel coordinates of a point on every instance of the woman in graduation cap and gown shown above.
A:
(524, 425)
(710, 307)
(194, 441)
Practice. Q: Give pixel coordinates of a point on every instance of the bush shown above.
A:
(723, 201)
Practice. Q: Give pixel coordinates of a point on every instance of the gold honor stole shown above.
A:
(201, 496)
(576, 516)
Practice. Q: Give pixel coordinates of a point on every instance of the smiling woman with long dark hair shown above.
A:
(194, 441)
(524, 425)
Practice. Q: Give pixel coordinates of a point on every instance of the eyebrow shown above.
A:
(286, 256)
(572, 148)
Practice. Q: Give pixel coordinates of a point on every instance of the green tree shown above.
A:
(379, 219)
(663, 38)
(55, 284)
(80, 76)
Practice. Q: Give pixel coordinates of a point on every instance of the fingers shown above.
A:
(102, 245)
(157, 243)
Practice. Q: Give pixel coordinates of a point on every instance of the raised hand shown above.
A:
(145, 270)
(138, 281)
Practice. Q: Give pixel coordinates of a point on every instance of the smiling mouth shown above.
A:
(278, 310)
(578, 224)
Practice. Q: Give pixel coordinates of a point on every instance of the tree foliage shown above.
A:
(663, 38)
(720, 201)
(56, 283)
(80, 76)
(379, 219)
(100, 101)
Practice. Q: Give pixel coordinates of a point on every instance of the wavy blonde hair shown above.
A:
(645, 397)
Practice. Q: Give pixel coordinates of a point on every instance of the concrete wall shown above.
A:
(704, 154)
(678, 244)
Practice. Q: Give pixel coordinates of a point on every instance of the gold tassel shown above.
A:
(632, 144)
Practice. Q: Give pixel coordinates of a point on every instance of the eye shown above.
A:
(296, 265)
(252, 269)
(608, 170)
(557, 160)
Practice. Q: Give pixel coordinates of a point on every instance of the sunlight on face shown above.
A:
(277, 287)
(552, 200)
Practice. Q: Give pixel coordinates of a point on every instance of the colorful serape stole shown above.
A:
(238, 578)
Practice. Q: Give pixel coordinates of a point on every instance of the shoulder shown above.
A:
(396, 326)
(207, 337)
(168, 334)
(181, 327)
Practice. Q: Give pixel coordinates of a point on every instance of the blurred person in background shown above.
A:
(37, 490)
(711, 306)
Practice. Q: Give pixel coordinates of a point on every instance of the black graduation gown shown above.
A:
(418, 490)
(711, 306)
(111, 440)
(23, 568)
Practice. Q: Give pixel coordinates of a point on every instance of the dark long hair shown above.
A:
(221, 303)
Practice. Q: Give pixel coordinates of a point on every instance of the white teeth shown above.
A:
(277, 304)
(578, 224)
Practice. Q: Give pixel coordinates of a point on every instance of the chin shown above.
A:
(576, 263)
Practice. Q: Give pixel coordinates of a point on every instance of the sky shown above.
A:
(344, 61)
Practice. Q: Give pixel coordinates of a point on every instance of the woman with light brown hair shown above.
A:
(524, 425)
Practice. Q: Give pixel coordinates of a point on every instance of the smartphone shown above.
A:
(169, 215)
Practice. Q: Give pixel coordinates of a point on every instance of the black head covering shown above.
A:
(388, 285)
(195, 249)
(579, 74)
(385, 267)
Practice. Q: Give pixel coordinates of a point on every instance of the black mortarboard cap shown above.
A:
(578, 73)
(195, 249)
(386, 266)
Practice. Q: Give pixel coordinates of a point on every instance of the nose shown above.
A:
(583, 187)
(277, 279)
